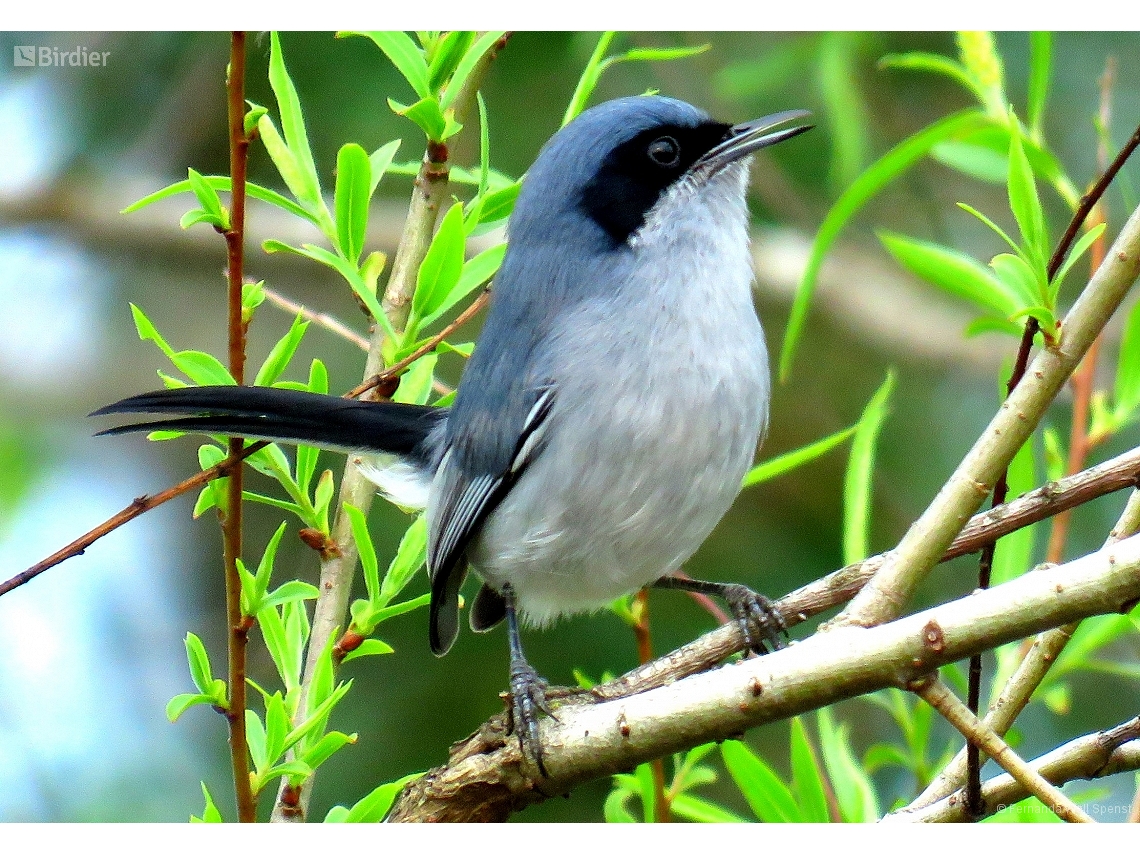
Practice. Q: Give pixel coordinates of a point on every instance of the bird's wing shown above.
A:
(466, 497)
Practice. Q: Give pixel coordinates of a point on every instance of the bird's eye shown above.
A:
(664, 151)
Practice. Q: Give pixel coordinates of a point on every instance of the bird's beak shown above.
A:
(747, 137)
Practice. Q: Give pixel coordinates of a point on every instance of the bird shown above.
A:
(615, 398)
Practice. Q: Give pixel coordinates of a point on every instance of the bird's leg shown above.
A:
(760, 622)
(528, 690)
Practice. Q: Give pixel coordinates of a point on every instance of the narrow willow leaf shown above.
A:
(1040, 67)
(199, 663)
(180, 703)
(374, 806)
(441, 268)
(445, 57)
(208, 198)
(860, 470)
(353, 190)
(853, 787)
(1079, 249)
(293, 125)
(848, 120)
(368, 647)
(1018, 279)
(933, 62)
(211, 812)
(770, 798)
(410, 557)
(379, 161)
(416, 382)
(282, 353)
(1126, 390)
(222, 182)
(467, 65)
(807, 777)
(589, 78)
(977, 161)
(366, 549)
(326, 747)
(769, 469)
(475, 272)
(1024, 201)
(873, 179)
(403, 53)
(954, 272)
(290, 591)
(978, 54)
(426, 114)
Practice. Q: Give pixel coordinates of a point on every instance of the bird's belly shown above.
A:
(625, 497)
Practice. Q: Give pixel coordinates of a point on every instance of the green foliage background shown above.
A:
(158, 107)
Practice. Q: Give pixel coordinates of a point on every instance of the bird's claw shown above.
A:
(760, 622)
(528, 699)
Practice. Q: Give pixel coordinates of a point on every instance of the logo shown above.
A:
(53, 57)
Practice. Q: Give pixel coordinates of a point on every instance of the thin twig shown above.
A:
(935, 693)
(644, 638)
(231, 517)
(319, 318)
(396, 369)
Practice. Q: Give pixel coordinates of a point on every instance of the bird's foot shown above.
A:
(759, 620)
(528, 699)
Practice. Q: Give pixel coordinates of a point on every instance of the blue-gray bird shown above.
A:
(614, 400)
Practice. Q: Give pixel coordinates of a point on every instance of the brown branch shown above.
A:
(935, 693)
(231, 517)
(840, 586)
(644, 638)
(1096, 755)
(319, 318)
(384, 378)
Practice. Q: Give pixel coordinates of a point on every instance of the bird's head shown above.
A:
(612, 165)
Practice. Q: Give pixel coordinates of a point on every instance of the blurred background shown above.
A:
(91, 651)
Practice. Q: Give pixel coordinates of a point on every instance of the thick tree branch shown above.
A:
(487, 778)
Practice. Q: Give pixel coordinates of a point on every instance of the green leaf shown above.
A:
(696, 809)
(293, 590)
(807, 777)
(368, 647)
(282, 353)
(589, 79)
(193, 218)
(211, 812)
(446, 56)
(1024, 201)
(853, 787)
(441, 268)
(366, 549)
(415, 383)
(353, 190)
(326, 747)
(1079, 249)
(199, 662)
(276, 727)
(1013, 553)
(1126, 390)
(381, 615)
(873, 179)
(498, 204)
(427, 115)
(308, 189)
(982, 62)
(378, 163)
(954, 272)
(860, 469)
(1040, 62)
(403, 53)
(933, 62)
(467, 65)
(614, 809)
(222, 182)
(208, 199)
(475, 272)
(977, 161)
(848, 119)
(994, 227)
(255, 739)
(770, 798)
(375, 806)
(180, 703)
(410, 557)
(1018, 279)
(769, 469)
(252, 117)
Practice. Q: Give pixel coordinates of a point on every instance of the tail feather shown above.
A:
(284, 414)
